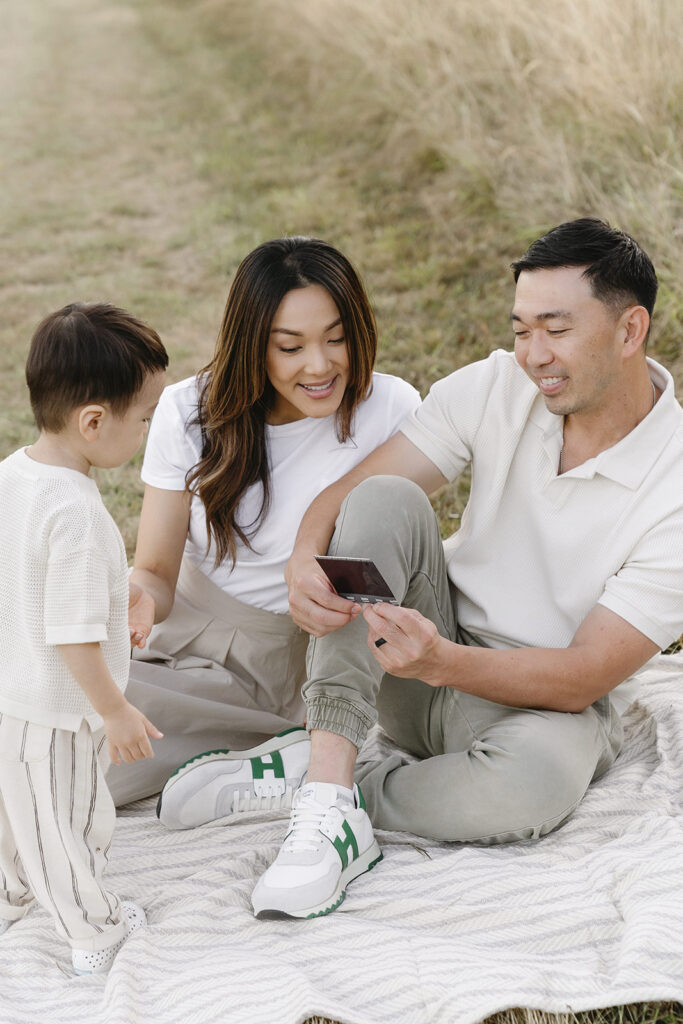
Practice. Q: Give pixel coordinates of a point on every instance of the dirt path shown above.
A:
(100, 174)
(140, 161)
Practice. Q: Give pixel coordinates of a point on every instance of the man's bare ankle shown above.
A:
(333, 759)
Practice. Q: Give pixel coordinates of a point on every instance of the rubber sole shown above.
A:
(366, 862)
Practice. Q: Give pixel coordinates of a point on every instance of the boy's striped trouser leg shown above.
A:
(57, 820)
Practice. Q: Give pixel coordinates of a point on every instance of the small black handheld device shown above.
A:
(357, 579)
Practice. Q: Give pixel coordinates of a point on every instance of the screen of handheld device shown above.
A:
(357, 579)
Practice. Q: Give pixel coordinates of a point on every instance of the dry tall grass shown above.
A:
(534, 110)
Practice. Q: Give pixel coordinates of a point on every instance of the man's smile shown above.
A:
(549, 385)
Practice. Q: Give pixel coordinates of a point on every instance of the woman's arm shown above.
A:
(164, 523)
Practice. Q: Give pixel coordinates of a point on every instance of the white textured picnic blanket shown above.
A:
(587, 917)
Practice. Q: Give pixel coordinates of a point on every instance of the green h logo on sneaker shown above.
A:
(343, 844)
(268, 763)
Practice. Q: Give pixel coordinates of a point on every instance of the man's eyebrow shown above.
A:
(299, 334)
(553, 314)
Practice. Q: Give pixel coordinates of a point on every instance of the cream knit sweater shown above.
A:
(63, 580)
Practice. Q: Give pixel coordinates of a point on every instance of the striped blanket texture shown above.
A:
(590, 916)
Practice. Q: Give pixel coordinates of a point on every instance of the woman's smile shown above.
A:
(321, 390)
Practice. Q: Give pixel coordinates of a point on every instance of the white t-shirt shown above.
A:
(63, 580)
(536, 551)
(305, 457)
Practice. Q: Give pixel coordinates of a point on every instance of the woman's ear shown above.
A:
(90, 422)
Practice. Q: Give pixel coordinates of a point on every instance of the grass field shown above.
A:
(147, 147)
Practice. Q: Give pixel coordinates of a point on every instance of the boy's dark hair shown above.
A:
(617, 268)
(89, 352)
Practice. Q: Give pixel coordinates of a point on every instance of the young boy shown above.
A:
(94, 374)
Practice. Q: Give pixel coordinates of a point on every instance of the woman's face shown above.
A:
(307, 359)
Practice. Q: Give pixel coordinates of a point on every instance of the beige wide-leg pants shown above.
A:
(217, 673)
(56, 824)
(488, 773)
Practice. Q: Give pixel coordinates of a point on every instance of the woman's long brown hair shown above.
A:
(235, 394)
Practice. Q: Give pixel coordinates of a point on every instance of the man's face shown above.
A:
(568, 342)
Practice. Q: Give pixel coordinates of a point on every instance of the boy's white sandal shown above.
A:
(99, 961)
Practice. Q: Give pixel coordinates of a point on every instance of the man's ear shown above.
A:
(90, 421)
(635, 323)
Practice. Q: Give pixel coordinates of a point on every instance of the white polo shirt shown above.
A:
(536, 551)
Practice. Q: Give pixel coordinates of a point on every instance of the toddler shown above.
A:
(94, 374)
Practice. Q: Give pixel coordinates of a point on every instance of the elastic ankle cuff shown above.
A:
(340, 716)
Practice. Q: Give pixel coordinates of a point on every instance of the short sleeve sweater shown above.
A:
(63, 580)
(305, 456)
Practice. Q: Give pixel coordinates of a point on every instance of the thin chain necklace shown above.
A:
(654, 401)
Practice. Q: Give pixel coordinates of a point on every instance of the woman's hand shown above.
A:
(413, 647)
(313, 603)
(140, 615)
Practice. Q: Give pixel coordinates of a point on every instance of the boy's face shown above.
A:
(121, 436)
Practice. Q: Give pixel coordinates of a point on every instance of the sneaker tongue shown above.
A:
(324, 793)
(309, 809)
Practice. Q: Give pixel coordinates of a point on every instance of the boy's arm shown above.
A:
(126, 728)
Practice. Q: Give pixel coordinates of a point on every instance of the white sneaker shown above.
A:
(221, 782)
(329, 843)
(86, 961)
(4, 925)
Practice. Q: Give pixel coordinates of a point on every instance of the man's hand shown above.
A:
(605, 650)
(140, 615)
(313, 603)
(128, 731)
(413, 648)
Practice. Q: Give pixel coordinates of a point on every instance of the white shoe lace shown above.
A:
(304, 833)
(266, 800)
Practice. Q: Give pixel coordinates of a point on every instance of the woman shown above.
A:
(288, 404)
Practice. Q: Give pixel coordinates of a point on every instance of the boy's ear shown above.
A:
(90, 421)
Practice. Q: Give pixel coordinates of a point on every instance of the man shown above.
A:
(504, 669)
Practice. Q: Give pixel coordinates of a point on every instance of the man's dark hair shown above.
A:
(89, 352)
(617, 268)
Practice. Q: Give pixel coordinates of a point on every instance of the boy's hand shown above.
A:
(126, 728)
(140, 615)
(128, 731)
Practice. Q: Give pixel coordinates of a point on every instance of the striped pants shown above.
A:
(56, 824)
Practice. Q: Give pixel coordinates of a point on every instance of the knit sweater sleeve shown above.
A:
(77, 585)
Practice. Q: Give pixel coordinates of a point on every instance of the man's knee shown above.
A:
(379, 511)
(507, 790)
(535, 791)
(387, 495)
